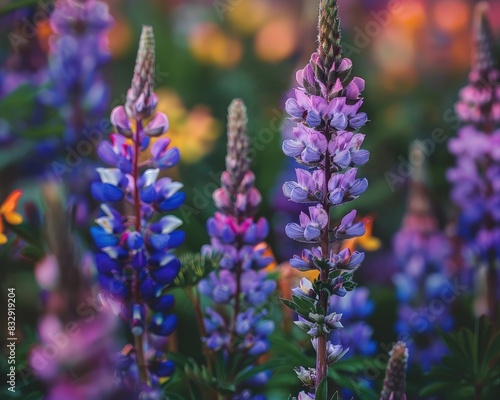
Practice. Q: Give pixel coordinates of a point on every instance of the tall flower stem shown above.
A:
(321, 354)
(138, 339)
(325, 108)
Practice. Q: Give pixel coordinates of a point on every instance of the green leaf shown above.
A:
(322, 390)
(268, 365)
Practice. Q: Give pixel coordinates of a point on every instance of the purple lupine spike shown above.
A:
(240, 283)
(474, 178)
(424, 255)
(326, 110)
(395, 376)
(78, 51)
(136, 259)
(82, 363)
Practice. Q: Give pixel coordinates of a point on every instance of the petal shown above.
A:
(170, 158)
(159, 146)
(120, 120)
(169, 223)
(10, 203)
(294, 231)
(109, 175)
(158, 125)
(173, 202)
(106, 152)
(292, 148)
(312, 232)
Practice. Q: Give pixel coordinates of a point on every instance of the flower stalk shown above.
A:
(325, 109)
(136, 261)
(240, 287)
(478, 163)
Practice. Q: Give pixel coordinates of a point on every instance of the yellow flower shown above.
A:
(209, 44)
(8, 212)
(193, 132)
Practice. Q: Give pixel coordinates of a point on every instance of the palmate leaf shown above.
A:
(196, 267)
(474, 362)
(265, 366)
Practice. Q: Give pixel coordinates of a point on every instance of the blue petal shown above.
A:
(102, 238)
(164, 369)
(176, 239)
(163, 303)
(148, 194)
(159, 242)
(105, 192)
(163, 325)
(105, 264)
(166, 274)
(173, 202)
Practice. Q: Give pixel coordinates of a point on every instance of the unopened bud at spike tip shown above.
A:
(483, 56)
(141, 101)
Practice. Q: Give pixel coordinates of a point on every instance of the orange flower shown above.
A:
(366, 242)
(8, 211)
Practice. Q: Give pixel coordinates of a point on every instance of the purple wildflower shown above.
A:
(136, 259)
(475, 177)
(395, 376)
(326, 110)
(74, 356)
(78, 51)
(424, 255)
(240, 282)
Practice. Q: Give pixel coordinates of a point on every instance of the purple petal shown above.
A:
(339, 121)
(293, 109)
(312, 232)
(292, 148)
(107, 154)
(358, 121)
(294, 231)
(120, 120)
(360, 157)
(158, 125)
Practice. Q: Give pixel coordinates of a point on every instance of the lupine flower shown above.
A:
(355, 307)
(8, 212)
(78, 51)
(82, 364)
(326, 110)
(241, 281)
(424, 255)
(395, 375)
(136, 259)
(475, 177)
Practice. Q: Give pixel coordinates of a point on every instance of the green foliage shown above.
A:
(219, 375)
(472, 370)
(195, 267)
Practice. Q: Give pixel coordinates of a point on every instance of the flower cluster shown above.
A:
(355, 307)
(424, 254)
(9, 213)
(78, 50)
(474, 179)
(135, 259)
(325, 109)
(395, 376)
(74, 354)
(238, 236)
